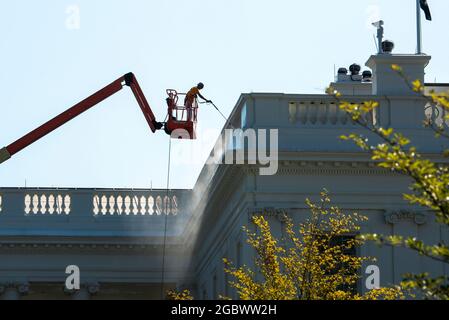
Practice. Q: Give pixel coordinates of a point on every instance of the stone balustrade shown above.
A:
(47, 203)
(92, 212)
(128, 204)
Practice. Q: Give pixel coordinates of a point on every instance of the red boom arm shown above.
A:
(128, 79)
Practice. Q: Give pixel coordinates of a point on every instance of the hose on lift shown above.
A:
(166, 205)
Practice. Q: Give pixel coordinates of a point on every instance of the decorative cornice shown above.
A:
(395, 217)
(68, 245)
(319, 167)
(280, 214)
(391, 217)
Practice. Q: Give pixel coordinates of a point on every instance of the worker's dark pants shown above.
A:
(188, 106)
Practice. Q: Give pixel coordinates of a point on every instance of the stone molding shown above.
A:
(391, 217)
(85, 246)
(21, 287)
(280, 214)
(311, 167)
(395, 217)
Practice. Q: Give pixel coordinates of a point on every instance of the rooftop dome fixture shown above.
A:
(367, 76)
(342, 71)
(387, 46)
(355, 69)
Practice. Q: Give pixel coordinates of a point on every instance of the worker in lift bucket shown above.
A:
(190, 98)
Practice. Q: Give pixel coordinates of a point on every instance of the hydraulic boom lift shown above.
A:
(181, 122)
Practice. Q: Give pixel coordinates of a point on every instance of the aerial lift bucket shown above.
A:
(182, 120)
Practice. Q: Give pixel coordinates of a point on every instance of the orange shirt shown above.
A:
(192, 94)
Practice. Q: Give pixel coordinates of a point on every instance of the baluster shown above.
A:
(292, 111)
(59, 203)
(150, 205)
(313, 113)
(107, 207)
(47, 206)
(135, 205)
(119, 205)
(166, 205)
(96, 205)
(112, 208)
(127, 205)
(323, 112)
(67, 204)
(143, 205)
(27, 202)
(333, 115)
(35, 204)
(369, 117)
(372, 117)
(444, 120)
(303, 112)
(104, 204)
(51, 204)
(43, 203)
(174, 207)
(158, 205)
(343, 116)
(435, 113)
(428, 112)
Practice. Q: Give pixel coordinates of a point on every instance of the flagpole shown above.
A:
(418, 27)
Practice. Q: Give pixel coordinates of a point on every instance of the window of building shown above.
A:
(352, 251)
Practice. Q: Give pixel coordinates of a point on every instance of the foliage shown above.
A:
(308, 264)
(313, 266)
(394, 152)
(179, 295)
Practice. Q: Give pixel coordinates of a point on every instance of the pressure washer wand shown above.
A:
(224, 117)
(221, 113)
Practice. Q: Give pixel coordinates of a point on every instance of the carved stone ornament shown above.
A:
(394, 217)
(280, 214)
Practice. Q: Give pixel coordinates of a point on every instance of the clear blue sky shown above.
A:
(233, 46)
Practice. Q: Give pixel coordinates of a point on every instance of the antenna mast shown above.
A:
(418, 28)
(380, 35)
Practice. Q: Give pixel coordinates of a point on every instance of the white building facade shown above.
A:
(116, 237)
